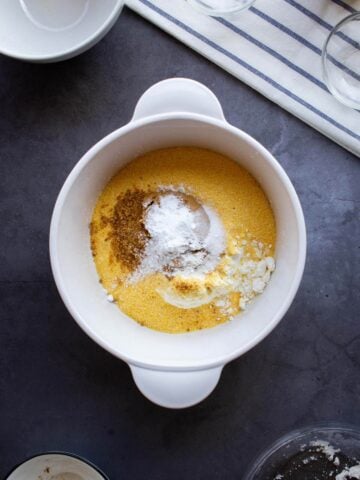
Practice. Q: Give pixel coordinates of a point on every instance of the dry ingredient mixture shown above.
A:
(183, 239)
(318, 461)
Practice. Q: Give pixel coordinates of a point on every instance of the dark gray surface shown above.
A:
(58, 389)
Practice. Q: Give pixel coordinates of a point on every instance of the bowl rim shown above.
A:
(76, 171)
(80, 47)
(213, 12)
(266, 453)
(61, 453)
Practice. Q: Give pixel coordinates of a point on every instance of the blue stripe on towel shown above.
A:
(286, 30)
(309, 14)
(343, 4)
(272, 52)
(321, 22)
(302, 40)
(251, 69)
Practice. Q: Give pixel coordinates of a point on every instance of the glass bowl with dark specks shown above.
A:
(319, 452)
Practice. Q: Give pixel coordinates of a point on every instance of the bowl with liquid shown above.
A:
(174, 370)
(56, 466)
(45, 31)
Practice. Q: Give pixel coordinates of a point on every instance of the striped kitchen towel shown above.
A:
(275, 47)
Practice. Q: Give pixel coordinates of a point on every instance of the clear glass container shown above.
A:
(343, 438)
(341, 61)
(220, 8)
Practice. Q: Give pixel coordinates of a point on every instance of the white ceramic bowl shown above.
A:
(56, 466)
(172, 370)
(52, 30)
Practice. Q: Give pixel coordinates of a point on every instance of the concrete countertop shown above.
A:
(58, 389)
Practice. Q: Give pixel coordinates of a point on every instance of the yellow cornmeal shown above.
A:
(213, 179)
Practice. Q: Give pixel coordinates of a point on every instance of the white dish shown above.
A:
(172, 370)
(53, 30)
(56, 466)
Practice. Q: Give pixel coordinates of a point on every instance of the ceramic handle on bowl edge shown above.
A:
(178, 95)
(176, 389)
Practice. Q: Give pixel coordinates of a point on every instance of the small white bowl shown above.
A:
(180, 370)
(56, 466)
(45, 31)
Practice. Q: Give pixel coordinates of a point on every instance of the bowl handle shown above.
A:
(176, 389)
(178, 95)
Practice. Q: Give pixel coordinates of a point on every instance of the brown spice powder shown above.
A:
(128, 233)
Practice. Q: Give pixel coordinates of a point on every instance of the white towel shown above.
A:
(275, 47)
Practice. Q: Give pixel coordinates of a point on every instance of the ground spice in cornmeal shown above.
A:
(128, 234)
